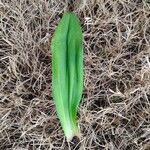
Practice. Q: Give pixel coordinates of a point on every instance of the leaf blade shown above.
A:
(67, 71)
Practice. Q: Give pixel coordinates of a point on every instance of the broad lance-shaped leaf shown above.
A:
(67, 72)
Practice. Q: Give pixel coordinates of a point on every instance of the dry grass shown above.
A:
(115, 110)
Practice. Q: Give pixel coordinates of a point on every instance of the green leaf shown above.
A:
(67, 72)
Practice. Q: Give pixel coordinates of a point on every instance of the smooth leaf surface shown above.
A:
(67, 72)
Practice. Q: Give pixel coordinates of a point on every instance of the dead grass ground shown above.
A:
(115, 110)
